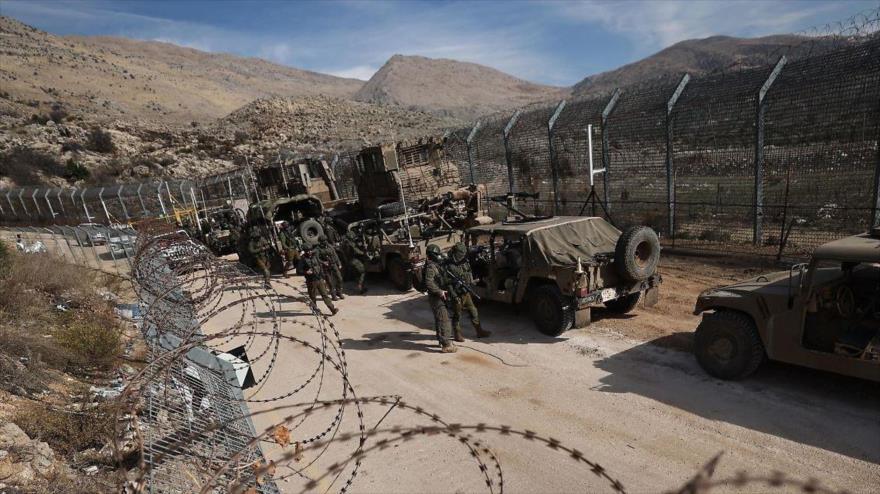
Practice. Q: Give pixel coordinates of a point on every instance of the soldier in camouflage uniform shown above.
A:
(437, 284)
(258, 247)
(332, 267)
(461, 300)
(330, 230)
(356, 258)
(310, 267)
(291, 245)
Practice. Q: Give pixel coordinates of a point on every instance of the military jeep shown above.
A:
(399, 252)
(560, 267)
(824, 314)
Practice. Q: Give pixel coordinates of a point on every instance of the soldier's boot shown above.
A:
(333, 297)
(339, 295)
(361, 288)
(482, 333)
(448, 348)
(456, 334)
(334, 311)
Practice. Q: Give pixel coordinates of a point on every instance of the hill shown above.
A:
(461, 89)
(121, 78)
(696, 57)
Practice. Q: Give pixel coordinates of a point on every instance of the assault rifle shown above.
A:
(458, 284)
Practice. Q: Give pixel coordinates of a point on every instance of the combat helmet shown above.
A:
(434, 252)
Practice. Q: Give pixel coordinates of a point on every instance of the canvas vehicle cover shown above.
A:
(561, 241)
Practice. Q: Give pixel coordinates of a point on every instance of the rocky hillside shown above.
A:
(120, 78)
(461, 89)
(61, 149)
(696, 57)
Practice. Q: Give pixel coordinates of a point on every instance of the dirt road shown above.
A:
(621, 392)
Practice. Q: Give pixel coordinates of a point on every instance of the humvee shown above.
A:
(824, 314)
(560, 267)
(401, 253)
(301, 211)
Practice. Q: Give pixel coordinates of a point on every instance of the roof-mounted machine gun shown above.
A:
(509, 202)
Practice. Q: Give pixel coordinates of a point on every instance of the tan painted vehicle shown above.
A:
(824, 315)
(401, 252)
(560, 267)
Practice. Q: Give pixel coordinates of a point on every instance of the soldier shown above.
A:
(258, 247)
(461, 299)
(330, 230)
(436, 283)
(356, 257)
(332, 267)
(291, 245)
(310, 267)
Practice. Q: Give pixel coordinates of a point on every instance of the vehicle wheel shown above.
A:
(310, 231)
(624, 305)
(637, 253)
(727, 345)
(549, 309)
(400, 277)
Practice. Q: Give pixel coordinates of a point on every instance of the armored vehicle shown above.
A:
(824, 314)
(398, 251)
(560, 267)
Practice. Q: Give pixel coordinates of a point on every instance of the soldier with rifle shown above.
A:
(258, 247)
(437, 283)
(291, 246)
(332, 267)
(310, 266)
(357, 256)
(461, 281)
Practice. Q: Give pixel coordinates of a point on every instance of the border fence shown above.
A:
(771, 160)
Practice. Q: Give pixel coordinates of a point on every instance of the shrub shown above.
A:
(57, 114)
(241, 137)
(73, 171)
(22, 164)
(100, 141)
(66, 432)
(93, 341)
(71, 146)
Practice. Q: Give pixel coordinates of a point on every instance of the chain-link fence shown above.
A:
(771, 160)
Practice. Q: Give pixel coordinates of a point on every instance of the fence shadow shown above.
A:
(779, 399)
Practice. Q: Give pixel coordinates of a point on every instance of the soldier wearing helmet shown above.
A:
(310, 266)
(460, 298)
(258, 247)
(332, 267)
(436, 284)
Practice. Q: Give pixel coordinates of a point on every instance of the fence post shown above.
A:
(8, 192)
(36, 204)
(104, 205)
(875, 202)
(554, 172)
(21, 200)
(467, 142)
(758, 219)
(606, 154)
(670, 169)
(122, 203)
(507, 153)
(60, 202)
(141, 199)
(48, 203)
(82, 197)
(161, 202)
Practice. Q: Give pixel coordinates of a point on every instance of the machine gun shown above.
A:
(509, 200)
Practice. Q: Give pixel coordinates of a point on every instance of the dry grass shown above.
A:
(66, 432)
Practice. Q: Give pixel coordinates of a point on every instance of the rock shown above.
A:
(11, 436)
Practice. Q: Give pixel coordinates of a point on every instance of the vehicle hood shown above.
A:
(776, 283)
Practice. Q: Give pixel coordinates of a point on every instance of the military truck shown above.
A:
(400, 251)
(560, 267)
(824, 314)
(220, 228)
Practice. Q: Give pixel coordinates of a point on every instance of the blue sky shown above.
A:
(548, 42)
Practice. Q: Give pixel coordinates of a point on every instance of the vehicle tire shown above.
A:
(727, 345)
(310, 231)
(391, 209)
(637, 253)
(400, 277)
(552, 314)
(624, 305)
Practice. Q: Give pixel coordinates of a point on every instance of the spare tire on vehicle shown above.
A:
(310, 231)
(391, 209)
(637, 253)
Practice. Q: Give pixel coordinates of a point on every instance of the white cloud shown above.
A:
(362, 72)
(658, 24)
